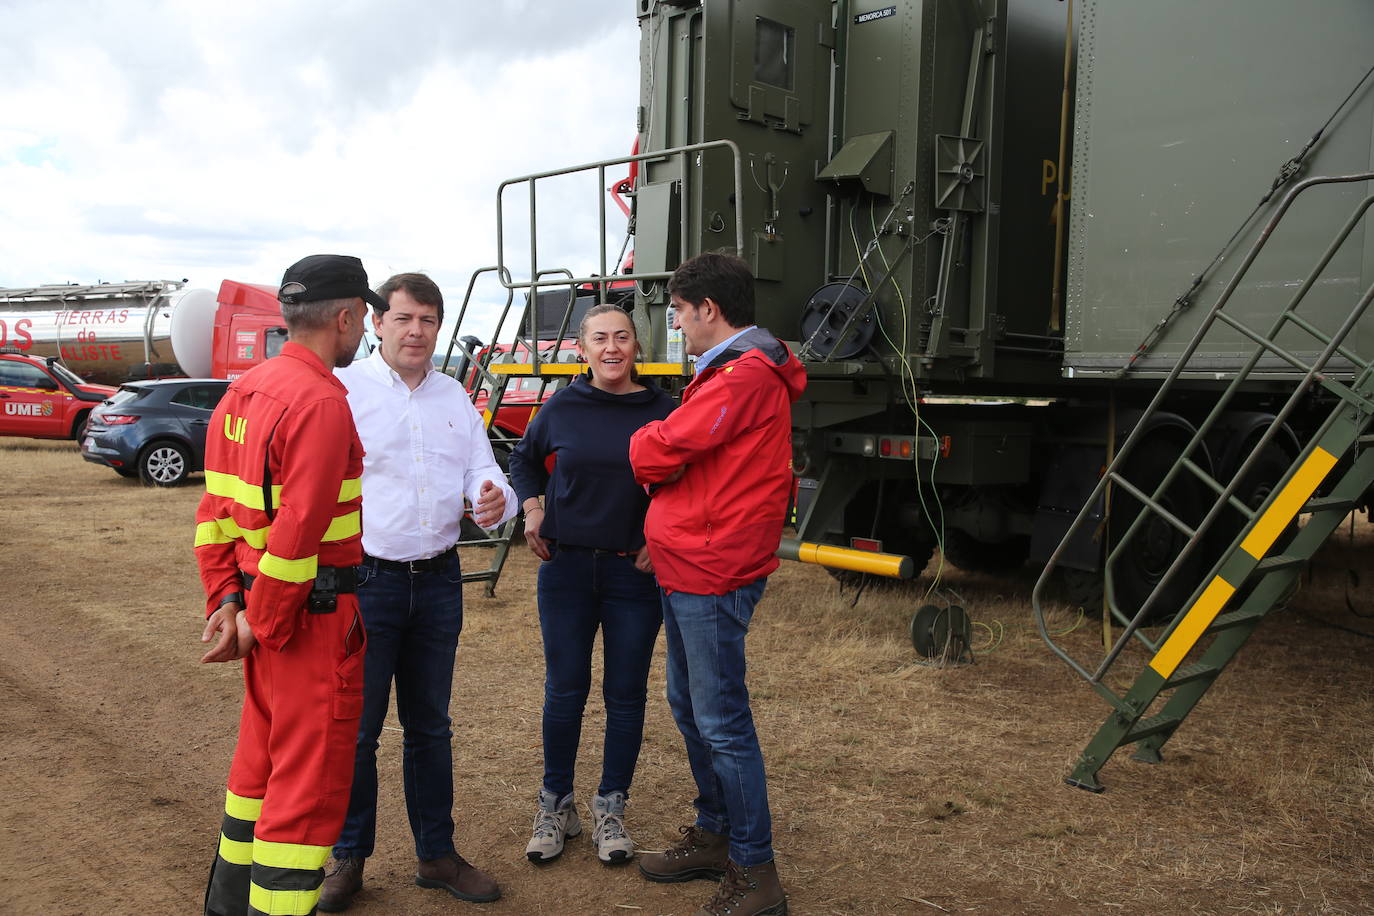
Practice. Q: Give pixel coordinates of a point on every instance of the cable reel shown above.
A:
(943, 634)
(825, 316)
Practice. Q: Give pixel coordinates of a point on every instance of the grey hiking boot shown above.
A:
(613, 844)
(752, 891)
(699, 854)
(557, 819)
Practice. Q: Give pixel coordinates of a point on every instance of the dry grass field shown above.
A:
(897, 787)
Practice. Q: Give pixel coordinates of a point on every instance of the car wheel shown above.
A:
(79, 425)
(164, 464)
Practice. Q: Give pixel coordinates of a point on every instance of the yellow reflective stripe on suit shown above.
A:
(282, 903)
(240, 491)
(226, 530)
(235, 852)
(241, 807)
(289, 855)
(248, 494)
(344, 527)
(301, 570)
(210, 533)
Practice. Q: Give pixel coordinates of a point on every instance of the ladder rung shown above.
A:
(485, 575)
(1207, 479)
(1279, 561)
(1189, 673)
(1329, 504)
(1151, 726)
(1235, 619)
(1152, 505)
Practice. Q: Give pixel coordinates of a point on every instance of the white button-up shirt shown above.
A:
(425, 450)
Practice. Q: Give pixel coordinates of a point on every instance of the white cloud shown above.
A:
(150, 140)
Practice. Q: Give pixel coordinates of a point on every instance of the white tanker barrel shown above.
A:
(113, 332)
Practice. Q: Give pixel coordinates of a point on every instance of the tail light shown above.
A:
(117, 419)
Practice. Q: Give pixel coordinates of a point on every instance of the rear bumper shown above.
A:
(111, 452)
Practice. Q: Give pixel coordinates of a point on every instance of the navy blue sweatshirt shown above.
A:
(591, 498)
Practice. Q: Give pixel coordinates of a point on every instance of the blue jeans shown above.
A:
(412, 622)
(581, 589)
(710, 703)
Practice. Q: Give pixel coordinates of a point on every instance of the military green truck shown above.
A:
(1083, 285)
(990, 228)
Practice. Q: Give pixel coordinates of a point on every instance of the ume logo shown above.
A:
(26, 410)
(235, 428)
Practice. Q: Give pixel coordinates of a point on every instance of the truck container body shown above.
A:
(1183, 116)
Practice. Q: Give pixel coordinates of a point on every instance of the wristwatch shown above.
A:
(231, 598)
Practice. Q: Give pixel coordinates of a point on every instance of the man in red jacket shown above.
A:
(278, 538)
(720, 471)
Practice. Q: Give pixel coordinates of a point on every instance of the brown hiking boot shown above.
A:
(453, 874)
(753, 891)
(341, 885)
(699, 854)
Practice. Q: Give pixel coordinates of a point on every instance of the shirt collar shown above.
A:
(387, 375)
(307, 356)
(704, 359)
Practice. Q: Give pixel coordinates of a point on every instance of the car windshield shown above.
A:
(67, 375)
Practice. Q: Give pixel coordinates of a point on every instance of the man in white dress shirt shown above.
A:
(426, 449)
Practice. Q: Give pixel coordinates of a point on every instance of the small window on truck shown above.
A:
(774, 57)
(273, 339)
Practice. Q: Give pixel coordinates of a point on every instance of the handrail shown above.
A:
(604, 278)
(462, 313)
(1314, 373)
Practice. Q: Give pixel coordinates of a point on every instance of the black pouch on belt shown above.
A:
(330, 582)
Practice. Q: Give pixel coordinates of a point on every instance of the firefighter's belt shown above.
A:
(330, 582)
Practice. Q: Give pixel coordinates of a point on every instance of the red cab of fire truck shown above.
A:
(248, 328)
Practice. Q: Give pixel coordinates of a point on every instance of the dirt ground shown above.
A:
(896, 787)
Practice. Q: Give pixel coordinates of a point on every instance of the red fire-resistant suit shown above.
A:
(283, 468)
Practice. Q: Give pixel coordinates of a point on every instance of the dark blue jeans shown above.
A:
(413, 622)
(710, 703)
(580, 590)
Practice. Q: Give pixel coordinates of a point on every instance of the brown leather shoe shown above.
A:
(753, 891)
(453, 874)
(341, 884)
(699, 854)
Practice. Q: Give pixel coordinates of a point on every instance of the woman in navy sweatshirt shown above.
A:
(589, 532)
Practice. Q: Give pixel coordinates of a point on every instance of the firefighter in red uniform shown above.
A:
(278, 536)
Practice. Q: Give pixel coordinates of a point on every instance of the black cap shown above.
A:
(327, 276)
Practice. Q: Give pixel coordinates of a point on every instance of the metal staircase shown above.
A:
(1260, 565)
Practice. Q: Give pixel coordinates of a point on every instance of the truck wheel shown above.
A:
(79, 425)
(1155, 546)
(971, 555)
(164, 464)
(1256, 487)
(1082, 589)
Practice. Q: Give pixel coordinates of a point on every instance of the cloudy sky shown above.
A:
(170, 139)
